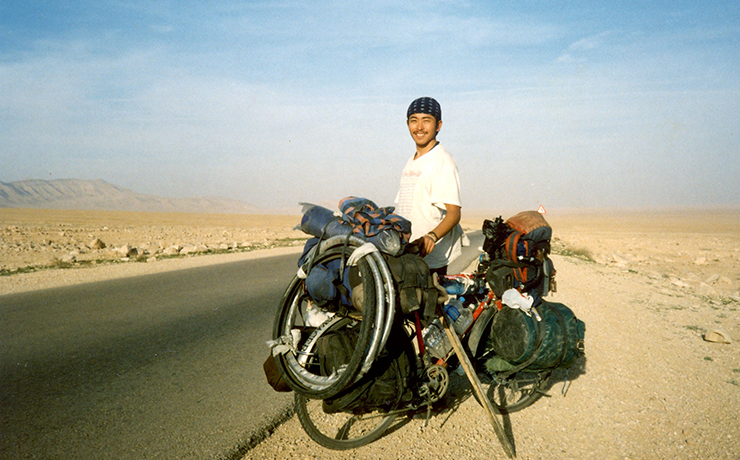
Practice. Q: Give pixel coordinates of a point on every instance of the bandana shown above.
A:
(425, 105)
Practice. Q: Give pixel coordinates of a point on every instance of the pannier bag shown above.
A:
(519, 250)
(554, 342)
(414, 284)
(323, 282)
(383, 387)
(274, 377)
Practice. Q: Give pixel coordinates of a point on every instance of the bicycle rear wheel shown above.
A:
(341, 430)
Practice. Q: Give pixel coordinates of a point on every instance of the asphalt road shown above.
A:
(160, 366)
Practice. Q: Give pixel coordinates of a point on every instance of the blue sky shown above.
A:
(584, 105)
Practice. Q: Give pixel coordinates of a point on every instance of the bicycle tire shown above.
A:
(290, 316)
(517, 392)
(341, 430)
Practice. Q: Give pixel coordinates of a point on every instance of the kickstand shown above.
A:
(478, 388)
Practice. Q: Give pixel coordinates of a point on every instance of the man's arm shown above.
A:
(449, 221)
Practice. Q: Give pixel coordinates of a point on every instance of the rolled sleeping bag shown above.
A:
(514, 336)
(320, 221)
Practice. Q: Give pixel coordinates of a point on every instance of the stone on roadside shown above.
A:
(724, 280)
(620, 259)
(701, 260)
(172, 250)
(97, 243)
(679, 283)
(718, 336)
(189, 249)
(128, 251)
(68, 259)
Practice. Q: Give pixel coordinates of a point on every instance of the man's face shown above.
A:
(423, 128)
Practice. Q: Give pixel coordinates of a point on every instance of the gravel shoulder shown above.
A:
(58, 277)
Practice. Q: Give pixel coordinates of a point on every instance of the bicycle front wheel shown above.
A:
(517, 391)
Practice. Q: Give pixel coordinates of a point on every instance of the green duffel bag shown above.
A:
(556, 341)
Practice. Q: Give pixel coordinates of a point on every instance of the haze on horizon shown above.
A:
(583, 105)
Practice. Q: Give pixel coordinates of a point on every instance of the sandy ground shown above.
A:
(649, 286)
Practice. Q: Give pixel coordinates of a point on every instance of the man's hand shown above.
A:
(421, 246)
(427, 244)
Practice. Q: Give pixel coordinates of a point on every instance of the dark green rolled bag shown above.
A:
(556, 341)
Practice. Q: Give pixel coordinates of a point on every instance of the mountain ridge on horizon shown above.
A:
(99, 195)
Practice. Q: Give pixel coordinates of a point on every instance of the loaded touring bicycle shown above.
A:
(364, 334)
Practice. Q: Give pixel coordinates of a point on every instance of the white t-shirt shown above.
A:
(427, 184)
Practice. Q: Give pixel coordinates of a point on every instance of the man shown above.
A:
(429, 195)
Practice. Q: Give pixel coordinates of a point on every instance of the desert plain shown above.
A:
(659, 292)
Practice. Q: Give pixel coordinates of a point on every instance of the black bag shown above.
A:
(414, 284)
(274, 377)
(500, 278)
(386, 383)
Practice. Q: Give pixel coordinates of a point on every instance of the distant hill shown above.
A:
(98, 195)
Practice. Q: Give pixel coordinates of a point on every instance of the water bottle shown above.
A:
(464, 321)
(451, 310)
(453, 287)
(436, 340)
(457, 286)
(460, 316)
